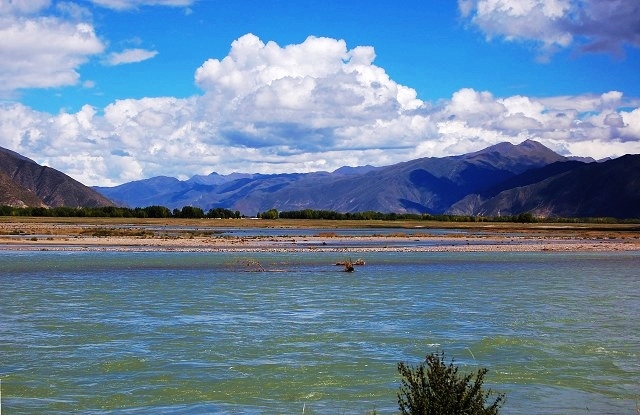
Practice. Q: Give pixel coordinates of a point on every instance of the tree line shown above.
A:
(372, 215)
(193, 212)
(524, 217)
(119, 212)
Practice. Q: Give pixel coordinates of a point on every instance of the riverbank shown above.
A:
(246, 235)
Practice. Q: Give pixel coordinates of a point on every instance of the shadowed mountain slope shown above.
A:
(607, 189)
(426, 185)
(24, 183)
(503, 179)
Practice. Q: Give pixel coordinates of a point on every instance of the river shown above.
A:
(289, 333)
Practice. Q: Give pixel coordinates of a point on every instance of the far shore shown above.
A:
(219, 235)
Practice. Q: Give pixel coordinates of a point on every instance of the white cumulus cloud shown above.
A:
(11, 7)
(28, 62)
(591, 25)
(316, 105)
(130, 56)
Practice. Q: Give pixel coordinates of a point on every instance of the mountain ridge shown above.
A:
(461, 184)
(503, 179)
(607, 189)
(25, 183)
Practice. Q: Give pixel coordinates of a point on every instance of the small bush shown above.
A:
(439, 389)
(116, 232)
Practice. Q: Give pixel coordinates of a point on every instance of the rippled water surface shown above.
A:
(258, 333)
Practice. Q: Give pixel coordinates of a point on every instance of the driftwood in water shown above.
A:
(349, 264)
(358, 261)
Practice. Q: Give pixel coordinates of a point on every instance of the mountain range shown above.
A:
(25, 183)
(504, 179)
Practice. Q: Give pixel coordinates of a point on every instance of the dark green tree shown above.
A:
(269, 214)
(189, 212)
(525, 217)
(156, 211)
(222, 213)
(434, 388)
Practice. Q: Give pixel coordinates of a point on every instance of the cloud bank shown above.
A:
(43, 44)
(591, 25)
(316, 105)
(28, 62)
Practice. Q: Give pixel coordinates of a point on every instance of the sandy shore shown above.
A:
(218, 236)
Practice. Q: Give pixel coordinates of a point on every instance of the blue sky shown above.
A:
(110, 91)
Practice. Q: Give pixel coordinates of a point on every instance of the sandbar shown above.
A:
(235, 235)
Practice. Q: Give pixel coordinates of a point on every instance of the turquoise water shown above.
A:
(287, 333)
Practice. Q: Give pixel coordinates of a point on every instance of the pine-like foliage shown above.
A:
(438, 389)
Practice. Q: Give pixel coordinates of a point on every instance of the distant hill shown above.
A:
(347, 170)
(24, 183)
(503, 179)
(12, 194)
(473, 203)
(607, 189)
(427, 185)
(464, 184)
